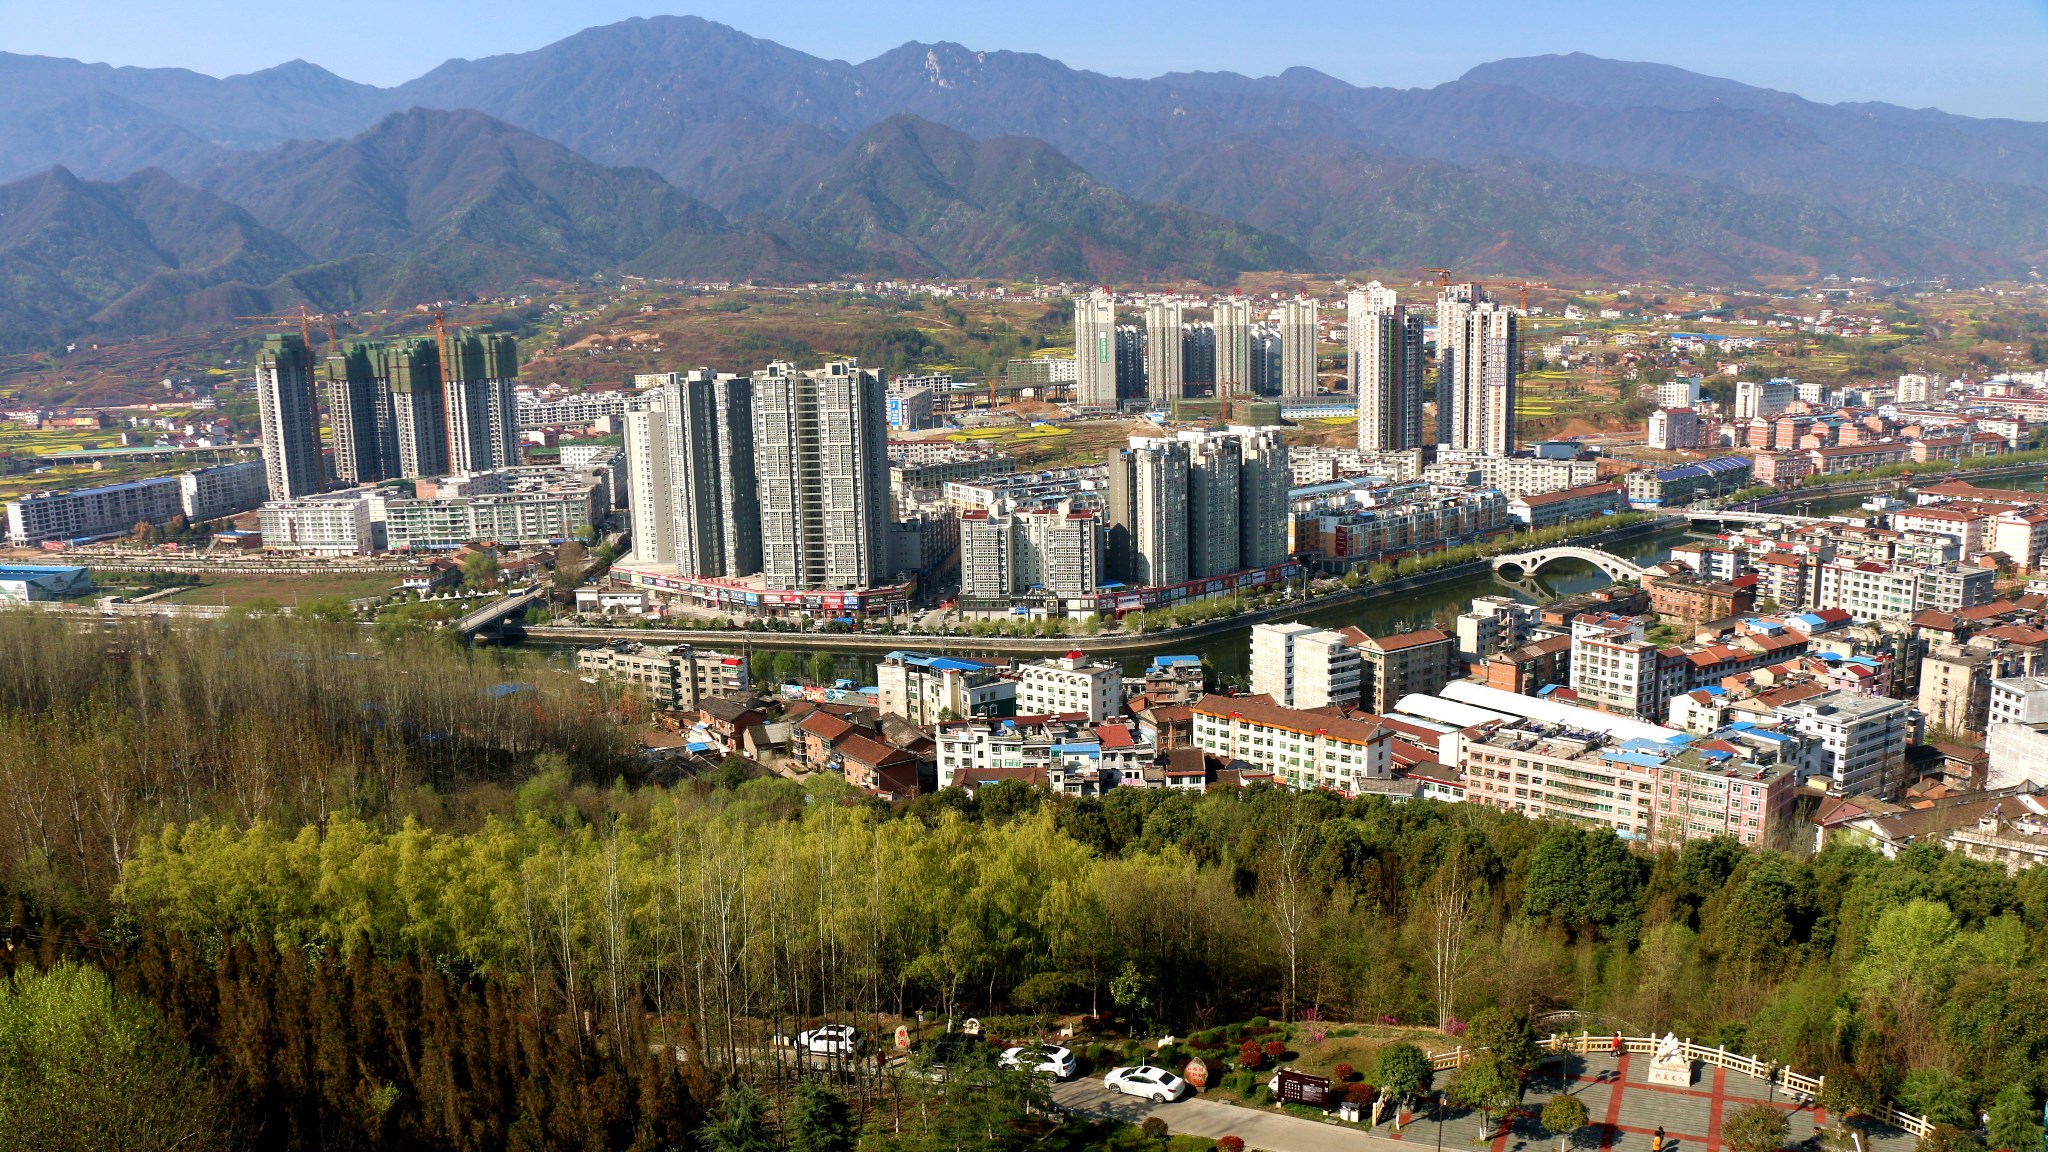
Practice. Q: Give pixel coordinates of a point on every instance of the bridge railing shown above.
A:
(1798, 1084)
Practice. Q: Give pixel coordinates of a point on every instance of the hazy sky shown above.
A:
(1977, 57)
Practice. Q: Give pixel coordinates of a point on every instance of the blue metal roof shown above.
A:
(1171, 661)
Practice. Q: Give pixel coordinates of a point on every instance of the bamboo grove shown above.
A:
(335, 869)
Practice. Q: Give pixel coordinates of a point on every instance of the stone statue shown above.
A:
(1668, 1064)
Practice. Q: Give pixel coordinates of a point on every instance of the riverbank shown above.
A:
(1109, 644)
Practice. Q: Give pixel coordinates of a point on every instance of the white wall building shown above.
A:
(1070, 683)
(1863, 738)
(1299, 666)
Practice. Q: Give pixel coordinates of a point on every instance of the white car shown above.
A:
(1051, 1059)
(1147, 1081)
(829, 1040)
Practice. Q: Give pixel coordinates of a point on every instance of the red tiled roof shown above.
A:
(1409, 640)
(1262, 711)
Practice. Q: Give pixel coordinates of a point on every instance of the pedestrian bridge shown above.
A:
(492, 619)
(1529, 562)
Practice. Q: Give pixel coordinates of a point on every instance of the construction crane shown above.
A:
(304, 318)
(1443, 276)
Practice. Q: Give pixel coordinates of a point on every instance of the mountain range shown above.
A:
(676, 146)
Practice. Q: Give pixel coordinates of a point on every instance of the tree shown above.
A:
(1488, 1085)
(1507, 1037)
(82, 1067)
(821, 1121)
(571, 559)
(740, 1125)
(1449, 902)
(327, 609)
(2012, 1127)
(1756, 1128)
(1131, 991)
(824, 669)
(1563, 1116)
(1400, 1071)
(480, 569)
(1937, 1094)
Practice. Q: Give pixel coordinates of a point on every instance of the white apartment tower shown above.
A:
(1297, 348)
(1304, 667)
(648, 490)
(289, 413)
(1477, 358)
(821, 455)
(1384, 360)
(1095, 350)
(1233, 320)
(1215, 484)
(1164, 376)
(1262, 516)
(1148, 512)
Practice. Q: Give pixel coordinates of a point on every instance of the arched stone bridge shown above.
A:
(1529, 562)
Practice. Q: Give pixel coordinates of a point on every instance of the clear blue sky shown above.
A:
(1977, 57)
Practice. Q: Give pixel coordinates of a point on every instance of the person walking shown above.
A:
(1657, 1140)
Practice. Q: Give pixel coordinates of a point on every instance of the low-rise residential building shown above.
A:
(1070, 684)
(1955, 690)
(1700, 601)
(223, 490)
(1614, 668)
(1561, 507)
(537, 506)
(330, 524)
(1530, 668)
(1495, 624)
(1871, 590)
(1063, 752)
(1299, 666)
(926, 689)
(1863, 739)
(1684, 484)
(1394, 666)
(88, 513)
(1313, 748)
(672, 678)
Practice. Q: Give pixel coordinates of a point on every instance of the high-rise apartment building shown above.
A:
(1232, 317)
(1266, 371)
(648, 490)
(1198, 353)
(1130, 364)
(1215, 484)
(289, 412)
(1163, 370)
(1095, 350)
(1264, 480)
(1297, 348)
(359, 412)
(821, 456)
(1477, 362)
(710, 431)
(418, 407)
(482, 415)
(1148, 512)
(1044, 551)
(1384, 360)
(1206, 503)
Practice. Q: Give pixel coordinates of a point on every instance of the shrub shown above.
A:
(1230, 1144)
(1361, 1094)
(1755, 1129)
(1206, 1038)
(1260, 1022)
(1249, 1056)
(1153, 1127)
(1343, 1072)
(1276, 1048)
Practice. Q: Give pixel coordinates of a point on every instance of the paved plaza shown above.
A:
(1627, 1110)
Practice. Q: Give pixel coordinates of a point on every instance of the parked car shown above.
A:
(829, 1040)
(1051, 1059)
(1146, 1080)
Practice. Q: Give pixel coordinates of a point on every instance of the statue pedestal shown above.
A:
(1673, 1070)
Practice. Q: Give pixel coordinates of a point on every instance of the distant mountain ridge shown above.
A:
(710, 151)
(429, 205)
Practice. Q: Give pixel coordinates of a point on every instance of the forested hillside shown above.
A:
(409, 897)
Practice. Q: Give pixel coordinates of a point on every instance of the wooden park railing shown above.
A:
(1792, 1082)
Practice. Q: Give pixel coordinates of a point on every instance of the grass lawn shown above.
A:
(285, 590)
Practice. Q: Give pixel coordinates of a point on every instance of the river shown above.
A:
(1228, 653)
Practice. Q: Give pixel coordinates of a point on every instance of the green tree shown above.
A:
(1937, 1094)
(84, 1068)
(1131, 991)
(2013, 1127)
(824, 668)
(1756, 1128)
(1507, 1037)
(1911, 954)
(820, 1120)
(480, 570)
(1489, 1086)
(1563, 1116)
(1400, 1071)
(740, 1124)
(328, 609)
